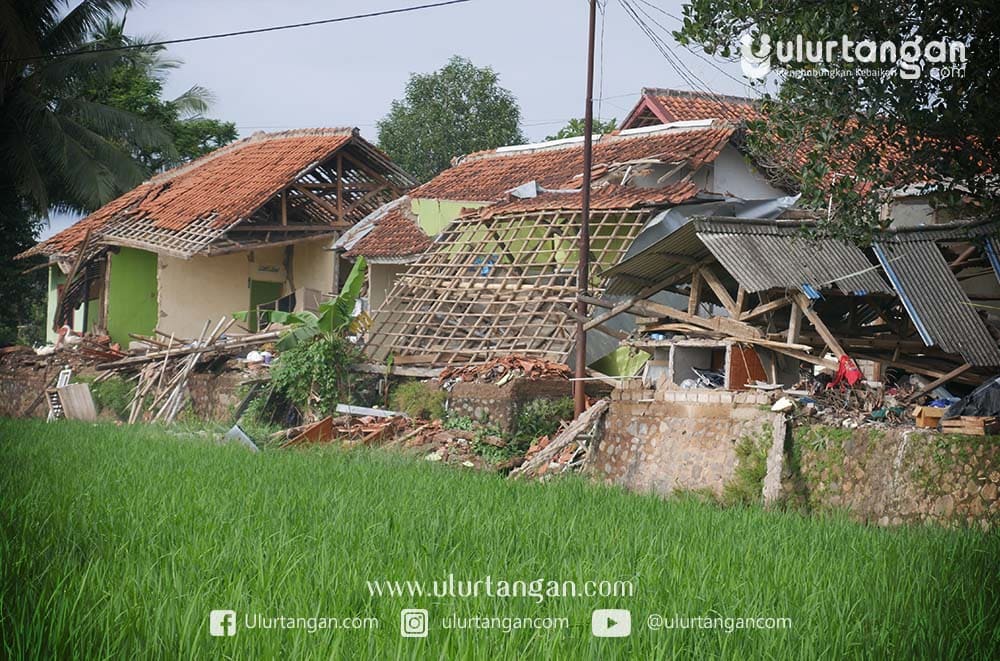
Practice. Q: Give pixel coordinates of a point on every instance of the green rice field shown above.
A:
(118, 542)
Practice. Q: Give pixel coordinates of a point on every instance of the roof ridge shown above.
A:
(253, 138)
(667, 91)
(614, 136)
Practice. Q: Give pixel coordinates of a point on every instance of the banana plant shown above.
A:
(332, 318)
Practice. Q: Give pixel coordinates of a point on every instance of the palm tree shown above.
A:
(58, 149)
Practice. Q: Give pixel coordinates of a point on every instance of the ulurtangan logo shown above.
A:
(908, 58)
(755, 65)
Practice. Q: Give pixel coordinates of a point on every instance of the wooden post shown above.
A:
(340, 188)
(694, 298)
(284, 206)
(794, 323)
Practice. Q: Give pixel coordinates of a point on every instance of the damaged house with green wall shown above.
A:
(246, 227)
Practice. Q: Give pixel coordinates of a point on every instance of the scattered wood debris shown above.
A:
(971, 425)
(568, 450)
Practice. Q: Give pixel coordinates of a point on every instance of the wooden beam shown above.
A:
(764, 308)
(941, 380)
(615, 309)
(320, 201)
(340, 186)
(819, 325)
(722, 324)
(694, 297)
(741, 299)
(284, 207)
(720, 290)
(291, 228)
(365, 198)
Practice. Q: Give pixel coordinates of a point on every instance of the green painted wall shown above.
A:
(132, 294)
(262, 291)
(433, 215)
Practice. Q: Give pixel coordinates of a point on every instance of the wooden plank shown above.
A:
(794, 324)
(723, 324)
(77, 402)
(764, 308)
(819, 325)
(941, 380)
(364, 410)
(712, 279)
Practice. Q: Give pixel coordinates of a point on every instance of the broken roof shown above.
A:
(486, 176)
(389, 232)
(775, 254)
(502, 279)
(183, 210)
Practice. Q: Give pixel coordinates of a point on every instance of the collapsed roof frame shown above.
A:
(495, 283)
(890, 302)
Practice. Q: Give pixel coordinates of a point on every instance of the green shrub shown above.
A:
(419, 399)
(746, 487)
(316, 375)
(113, 394)
(540, 417)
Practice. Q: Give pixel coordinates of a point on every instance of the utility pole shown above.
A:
(583, 274)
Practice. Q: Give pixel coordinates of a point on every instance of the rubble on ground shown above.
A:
(503, 370)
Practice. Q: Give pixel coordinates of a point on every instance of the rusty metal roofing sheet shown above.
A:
(935, 301)
(766, 255)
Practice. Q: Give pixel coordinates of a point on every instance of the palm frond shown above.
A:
(194, 101)
(76, 27)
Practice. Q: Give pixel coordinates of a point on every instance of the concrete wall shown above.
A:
(132, 294)
(734, 175)
(313, 266)
(501, 404)
(433, 215)
(671, 440)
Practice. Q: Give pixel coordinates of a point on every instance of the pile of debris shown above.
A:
(161, 389)
(502, 370)
(568, 450)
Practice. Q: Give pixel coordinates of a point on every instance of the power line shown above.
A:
(238, 33)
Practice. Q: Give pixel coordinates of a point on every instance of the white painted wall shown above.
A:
(733, 174)
(312, 265)
(381, 278)
(192, 291)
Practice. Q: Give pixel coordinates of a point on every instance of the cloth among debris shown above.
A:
(983, 401)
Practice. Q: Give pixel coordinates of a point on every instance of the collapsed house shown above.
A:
(246, 227)
(764, 296)
(501, 277)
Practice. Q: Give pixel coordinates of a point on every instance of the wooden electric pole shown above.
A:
(583, 274)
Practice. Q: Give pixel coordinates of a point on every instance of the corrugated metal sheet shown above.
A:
(764, 256)
(936, 301)
(633, 274)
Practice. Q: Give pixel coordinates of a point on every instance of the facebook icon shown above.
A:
(222, 623)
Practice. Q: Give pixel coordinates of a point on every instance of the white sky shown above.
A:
(347, 74)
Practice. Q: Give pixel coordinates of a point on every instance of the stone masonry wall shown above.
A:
(671, 440)
(501, 404)
(893, 476)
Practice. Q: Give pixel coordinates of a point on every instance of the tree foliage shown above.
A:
(456, 110)
(575, 128)
(936, 127)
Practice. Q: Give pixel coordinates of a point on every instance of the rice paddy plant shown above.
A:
(117, 542)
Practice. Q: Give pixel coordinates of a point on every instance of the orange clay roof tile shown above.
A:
(485, 176)
(396, 234)
(226, 185)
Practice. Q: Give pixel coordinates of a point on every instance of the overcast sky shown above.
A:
(347, 74)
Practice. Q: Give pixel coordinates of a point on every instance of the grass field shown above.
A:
(117, 542)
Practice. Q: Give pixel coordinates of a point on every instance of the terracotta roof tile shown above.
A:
(602, 198)
(485, 176)
(225, 186)
(395, 234)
